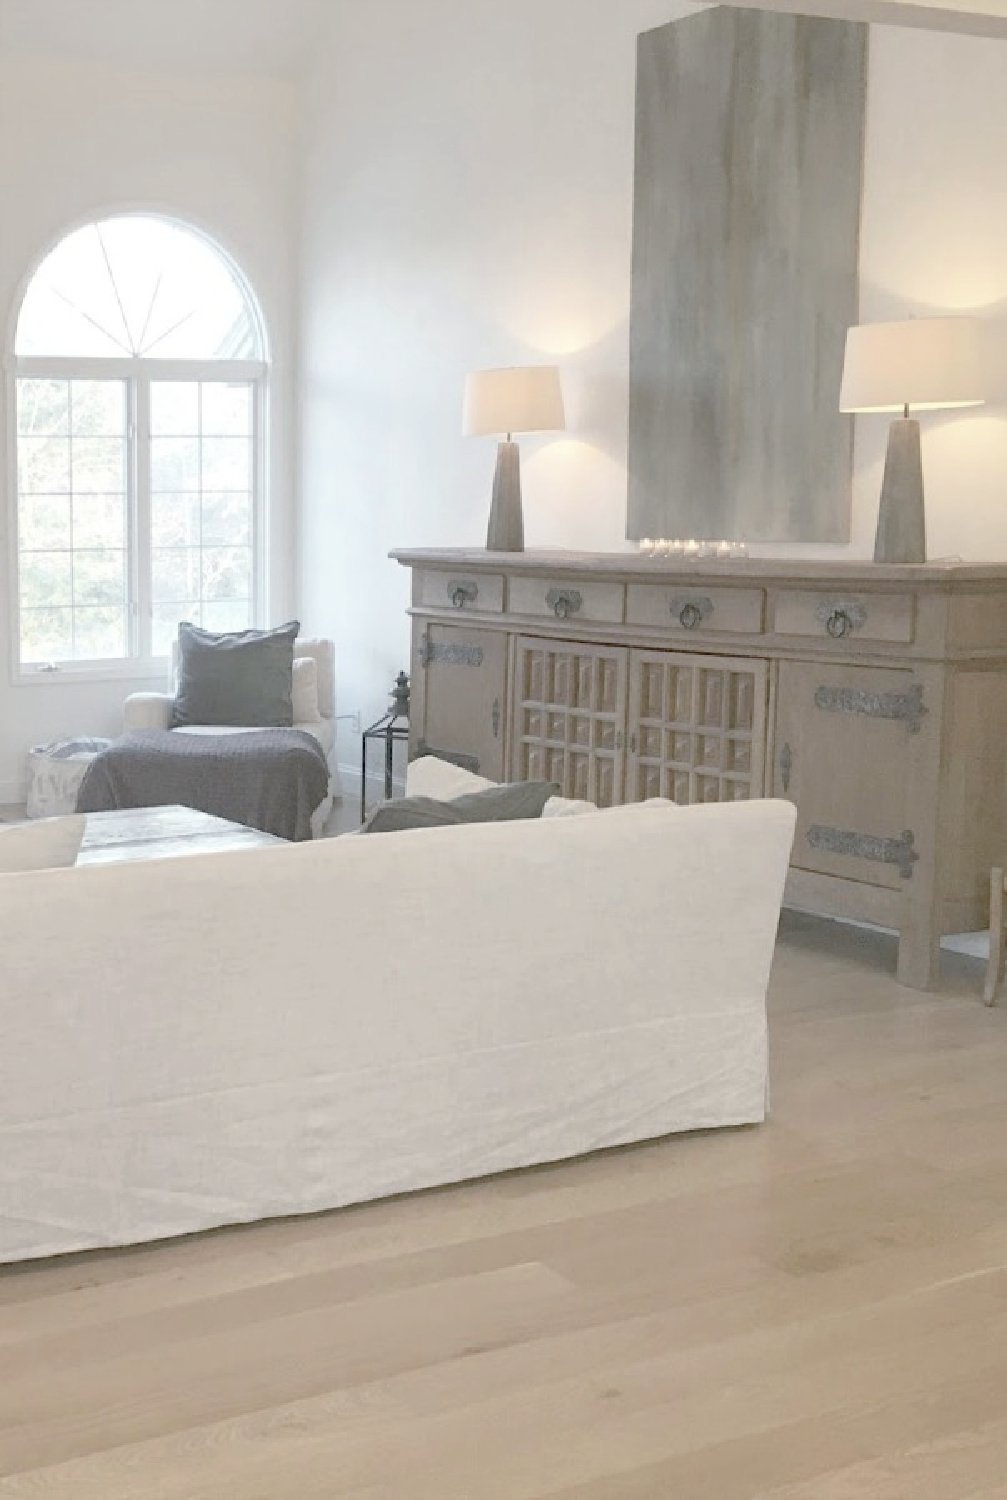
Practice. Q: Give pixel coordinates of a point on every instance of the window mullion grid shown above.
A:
(73, 555)
(141, 522)
(260, 545)
(199, 481)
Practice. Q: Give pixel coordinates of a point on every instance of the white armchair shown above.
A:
(314, 695)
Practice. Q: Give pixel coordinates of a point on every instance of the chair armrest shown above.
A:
(148, 710)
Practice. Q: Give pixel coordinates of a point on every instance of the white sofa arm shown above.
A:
(148, 710)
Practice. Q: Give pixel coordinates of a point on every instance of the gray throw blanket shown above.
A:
(271, 779)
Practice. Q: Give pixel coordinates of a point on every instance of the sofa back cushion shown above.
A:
(324, 654)
(242, 677)
(429, 776)
(304, 690)
(46, 844)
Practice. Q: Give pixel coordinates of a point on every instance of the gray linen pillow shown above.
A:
(241, 677)
(497, 804)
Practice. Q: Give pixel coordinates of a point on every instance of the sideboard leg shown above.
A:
(919, 962)
(995, 965)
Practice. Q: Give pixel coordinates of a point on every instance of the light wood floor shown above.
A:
(812, 1310)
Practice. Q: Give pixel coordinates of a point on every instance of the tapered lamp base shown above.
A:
(902, 536)
(506, 526)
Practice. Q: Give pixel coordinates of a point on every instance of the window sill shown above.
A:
(150, 671)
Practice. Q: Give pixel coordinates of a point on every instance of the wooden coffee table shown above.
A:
(163, 833)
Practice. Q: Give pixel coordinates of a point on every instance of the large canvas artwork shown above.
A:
(749, 166)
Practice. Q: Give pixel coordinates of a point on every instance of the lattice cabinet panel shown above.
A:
(696, 727)
(569, 717)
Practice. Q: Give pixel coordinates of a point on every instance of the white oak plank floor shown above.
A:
(812, 1310)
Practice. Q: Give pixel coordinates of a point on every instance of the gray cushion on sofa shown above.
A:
(497, 804)
(241, 677)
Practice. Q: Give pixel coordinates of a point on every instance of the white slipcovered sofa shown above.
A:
(220, 1038)
(314, 700)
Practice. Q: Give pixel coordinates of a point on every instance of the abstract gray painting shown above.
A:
(749, 167)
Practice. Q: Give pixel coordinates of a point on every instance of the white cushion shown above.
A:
(46, 844)
(324, 653)
(567, 807)
(431, 777)
(322, 730)
(304, 690)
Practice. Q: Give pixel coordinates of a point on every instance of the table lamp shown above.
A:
(524, 399)
(920, 364)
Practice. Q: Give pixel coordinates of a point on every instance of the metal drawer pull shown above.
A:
(691, 612)
(840, 619)
(564, 602)
(462, 591)
(886, 851)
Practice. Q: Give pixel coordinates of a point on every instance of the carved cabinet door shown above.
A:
(569, 724)
(458, 697)
(697, 727)
(847, 744)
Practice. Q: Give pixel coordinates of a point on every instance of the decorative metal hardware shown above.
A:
(618, 739)
(690, 610)
(462, 591)
(632, 743)
(449, 653)
(908, 708)
(887, 851)
(564, 602)
(495, 717)
(839, 618)
(453, 757)
(786, 766)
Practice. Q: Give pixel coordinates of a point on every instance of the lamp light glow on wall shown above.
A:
(921, 364)
(526, 398)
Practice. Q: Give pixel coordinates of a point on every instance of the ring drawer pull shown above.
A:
(564, 602)
(690, 611)
(840, 618)
(462, 591)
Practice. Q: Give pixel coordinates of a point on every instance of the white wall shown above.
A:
(468, 203)
(79, 140)
(934, 240)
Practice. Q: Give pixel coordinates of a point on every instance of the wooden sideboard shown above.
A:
(873, 696)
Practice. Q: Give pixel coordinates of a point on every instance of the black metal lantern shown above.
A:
(393, 726)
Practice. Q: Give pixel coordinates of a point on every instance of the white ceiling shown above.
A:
(266, 37)
(275, 38)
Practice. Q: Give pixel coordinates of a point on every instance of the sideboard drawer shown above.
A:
(475, 593)
(695, 608)
(841, 615)
(557, 599)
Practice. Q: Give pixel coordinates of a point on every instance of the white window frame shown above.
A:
(138, 374)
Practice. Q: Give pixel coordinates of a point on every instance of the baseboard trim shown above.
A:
(350, 777)
(13, 793)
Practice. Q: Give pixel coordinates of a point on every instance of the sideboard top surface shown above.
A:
(861, 573)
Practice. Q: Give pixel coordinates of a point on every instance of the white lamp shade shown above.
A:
(524, 399)
(922, 363)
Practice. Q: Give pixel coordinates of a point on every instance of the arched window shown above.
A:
(140, 367)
